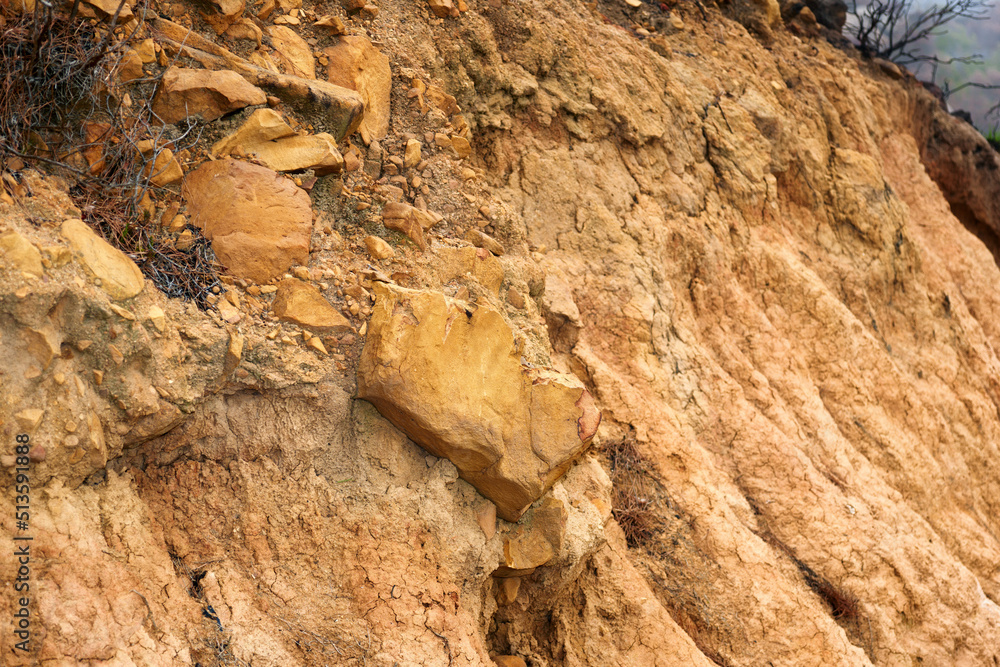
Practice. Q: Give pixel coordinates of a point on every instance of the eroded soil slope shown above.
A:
(728, 230)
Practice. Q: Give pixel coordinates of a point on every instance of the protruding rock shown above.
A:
(409, 220)
(164, 168)
(205, 93)
(335, 109)
(44, 343)
(509, 661)
(259, 222)
(453, 381)
(487, 520)
(105, 9)
(462, 146)
(890, 68)
(130, 67)
(830, 13)
(166, 416)
(29, 419)
(146, 50)
(561, 313)
(509, 588)
(356, 64)
(245, 28)
(230, 8)
(312, 151)
(480, 240)
(302, 304)
(266, 136)
(515, 298)
(157, 317)
(119, 275)
(20, 255)
(317, 344)
(333, 24)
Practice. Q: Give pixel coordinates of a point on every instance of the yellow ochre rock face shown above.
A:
(452, 380)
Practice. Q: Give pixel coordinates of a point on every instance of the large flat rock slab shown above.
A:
(451, 378)
(258, 221)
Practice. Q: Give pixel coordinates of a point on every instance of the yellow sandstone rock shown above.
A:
(259, 222)
(356, 64)
(302, 304)
(453, 381)
(119, 275)
(19, 254)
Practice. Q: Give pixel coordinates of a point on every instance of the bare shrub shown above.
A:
(894, 29)
(632, 493)
(63, 107)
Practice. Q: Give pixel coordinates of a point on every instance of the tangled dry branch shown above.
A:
(895, 29)
(63, 106)
(631, 499)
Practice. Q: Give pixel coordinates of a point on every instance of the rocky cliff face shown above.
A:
(704, 305)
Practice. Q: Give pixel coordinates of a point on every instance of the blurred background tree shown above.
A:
(954, 44)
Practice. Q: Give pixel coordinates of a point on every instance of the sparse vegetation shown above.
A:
(65, 107)
(896, 29)
(631, 500)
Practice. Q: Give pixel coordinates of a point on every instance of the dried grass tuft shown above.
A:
(63, 109)
(632, 493)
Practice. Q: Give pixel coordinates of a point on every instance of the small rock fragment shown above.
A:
(19, 253)
(378, 248)
(515, 299)
(316, 344)
(157, 317)
(535, 541)
(487, 519)
(481, 240)
(302, 304)
(442, 8)
(146, 51)
(412, 155)
(116, 354)
(184, 240)
(509, 661)
(130, 67)
(29, 419)
(509, 588)
(334, 24)
(462, 146)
